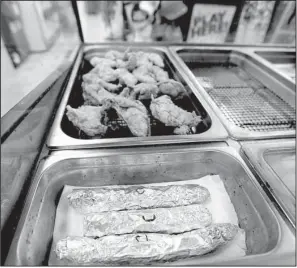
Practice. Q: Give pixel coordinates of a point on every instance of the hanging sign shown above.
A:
(210, 23)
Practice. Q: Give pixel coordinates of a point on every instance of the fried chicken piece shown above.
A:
(88, 119)
(88, 98)
(94, 93)
(101, 95)
(114, 55)
(144, 91)
(127, 93)
(172, 88)
(125, 77)
(130, 64)
(150, 74)
(146, 71)
(92, 78)
(127, 103)
(144, 74)
(141, 58)
(133, 113)
(159, 74)
(105, 73)
(183, 130)
(156, 59)
(102, 61)
(147, 58)
(120, 63)
(167, 112)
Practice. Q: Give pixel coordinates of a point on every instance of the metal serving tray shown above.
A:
(64, 135)
(282, 60)
(250, 101)
(267, 234)
(274, 161)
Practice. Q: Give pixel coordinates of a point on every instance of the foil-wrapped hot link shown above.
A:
(159, 220)
(144, 248)
(136, 197)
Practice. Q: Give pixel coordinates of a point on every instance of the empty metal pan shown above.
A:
(275, 161)
(283, 61)
(250, 101)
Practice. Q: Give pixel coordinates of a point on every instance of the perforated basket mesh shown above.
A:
(243, 100)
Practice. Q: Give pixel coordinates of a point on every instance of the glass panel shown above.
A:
(199, 21)
(36, 38)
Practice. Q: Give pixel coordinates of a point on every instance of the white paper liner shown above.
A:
(70, 223)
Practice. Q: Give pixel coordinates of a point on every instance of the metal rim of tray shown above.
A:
(254, 154)
(71, 154)
(253, 52)
(57, 139)
(235, 132)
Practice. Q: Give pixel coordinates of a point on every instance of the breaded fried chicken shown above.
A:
(141, 58)
(159, 74)
(144, 74)
(167, 112)
(127, 93)
(130, 64)
(94, 93)
(144, 91)
(92, 78)
(147, 59)
(102, 61)
(125, 77)
(132, 112)
(105, 73)
(117, 55)
(172, 88)
(114, 55)
(87, 96)
(88, 119)
(183, 130)
(156, 59)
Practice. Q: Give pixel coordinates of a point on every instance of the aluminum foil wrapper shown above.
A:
(144, 248)
(136, 197)
(159, 220)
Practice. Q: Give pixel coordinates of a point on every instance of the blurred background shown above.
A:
(37, 36)
(240, 22)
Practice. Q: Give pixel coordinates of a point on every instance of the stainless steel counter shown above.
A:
(268, 235)
(94, 162)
